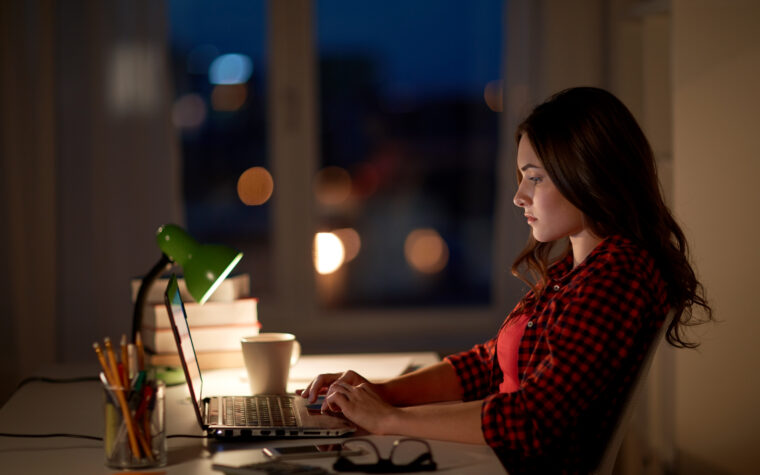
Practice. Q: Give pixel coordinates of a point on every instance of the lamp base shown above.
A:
(170, 375)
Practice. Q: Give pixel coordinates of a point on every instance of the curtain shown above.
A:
(90, 169)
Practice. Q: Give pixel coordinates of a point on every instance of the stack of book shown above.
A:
(217, 326)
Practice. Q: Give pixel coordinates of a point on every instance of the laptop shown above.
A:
(226, 417)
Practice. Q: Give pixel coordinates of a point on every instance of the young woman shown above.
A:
(606, 262)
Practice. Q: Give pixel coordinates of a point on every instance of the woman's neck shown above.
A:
(583, 243)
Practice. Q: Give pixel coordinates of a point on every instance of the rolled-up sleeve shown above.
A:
(474, 369)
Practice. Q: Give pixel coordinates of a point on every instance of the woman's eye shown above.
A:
(536, 179)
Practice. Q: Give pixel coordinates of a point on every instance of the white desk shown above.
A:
(77, 408)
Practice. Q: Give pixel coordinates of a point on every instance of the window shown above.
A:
(409, 98)
(378, 123)
(219, 63)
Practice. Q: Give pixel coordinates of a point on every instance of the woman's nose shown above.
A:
(520, 199)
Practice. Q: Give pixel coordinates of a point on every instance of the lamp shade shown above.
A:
(205, 266)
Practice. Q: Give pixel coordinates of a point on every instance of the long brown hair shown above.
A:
(601, 162)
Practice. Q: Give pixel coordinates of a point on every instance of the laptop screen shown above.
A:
(185, 347)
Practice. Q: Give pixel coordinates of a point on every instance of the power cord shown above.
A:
(83, 379)
(42, 436)
(91, 437)
(41, 379)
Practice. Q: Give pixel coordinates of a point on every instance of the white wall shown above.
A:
(716, 98)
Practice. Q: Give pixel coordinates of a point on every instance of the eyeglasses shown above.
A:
(407, 455)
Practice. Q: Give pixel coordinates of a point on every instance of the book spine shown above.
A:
(232, 288)
(239, 312)
(225, 338)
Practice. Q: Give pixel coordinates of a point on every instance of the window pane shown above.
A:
(218, 62)
(410, 94)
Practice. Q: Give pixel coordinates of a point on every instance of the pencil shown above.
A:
(117, 381)
(103, 364)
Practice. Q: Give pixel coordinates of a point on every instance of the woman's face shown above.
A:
(549, 214)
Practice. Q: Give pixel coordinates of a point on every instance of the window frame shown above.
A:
(293, 135)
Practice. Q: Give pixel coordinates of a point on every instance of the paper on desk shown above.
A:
(375, 367)
(372, 367)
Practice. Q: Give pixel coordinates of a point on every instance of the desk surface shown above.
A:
(75, 408)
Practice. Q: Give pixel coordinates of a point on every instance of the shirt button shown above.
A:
(556, 287)
(530, 324)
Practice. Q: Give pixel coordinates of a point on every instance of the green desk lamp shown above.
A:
(205, 266)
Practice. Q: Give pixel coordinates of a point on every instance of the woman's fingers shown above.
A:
(328, 383)
(338, 395)
(317, 386)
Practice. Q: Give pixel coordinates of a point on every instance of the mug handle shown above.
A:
(296, 354)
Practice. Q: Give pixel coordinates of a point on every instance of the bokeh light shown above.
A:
(494, 95)
(229, 97)
(189, 111)
(352, 243)
(255, 186)
(426, 251)
(332, 185)
(230, 69)
(329, 253)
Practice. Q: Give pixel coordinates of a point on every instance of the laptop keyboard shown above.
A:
(258, 411)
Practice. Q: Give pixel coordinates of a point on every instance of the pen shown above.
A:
(134, 370)
(140, 352)
(109, 389)
(125, 361)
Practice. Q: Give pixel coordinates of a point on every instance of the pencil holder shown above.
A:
(135, 426)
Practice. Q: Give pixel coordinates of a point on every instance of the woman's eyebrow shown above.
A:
(529, 165)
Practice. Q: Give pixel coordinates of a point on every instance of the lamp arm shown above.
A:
(147, 282)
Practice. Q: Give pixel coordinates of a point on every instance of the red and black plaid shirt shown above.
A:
(587, 335)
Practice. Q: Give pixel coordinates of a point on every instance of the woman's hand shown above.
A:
(324, 384)
(362, 405)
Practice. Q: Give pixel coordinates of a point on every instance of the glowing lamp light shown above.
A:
(329, 253)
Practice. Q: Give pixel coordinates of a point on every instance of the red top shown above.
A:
(584, 341)
(507, 344)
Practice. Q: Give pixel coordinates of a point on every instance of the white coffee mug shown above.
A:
(268, 358)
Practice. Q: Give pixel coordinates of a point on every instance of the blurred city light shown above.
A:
(230, 69)
(189, 111)
(229, 97)
(332, 185)
(255, 186)
(351, 242)
(329, 253)
(426, 251)
(494, 95)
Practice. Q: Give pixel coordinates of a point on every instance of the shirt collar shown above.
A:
(562, 270)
